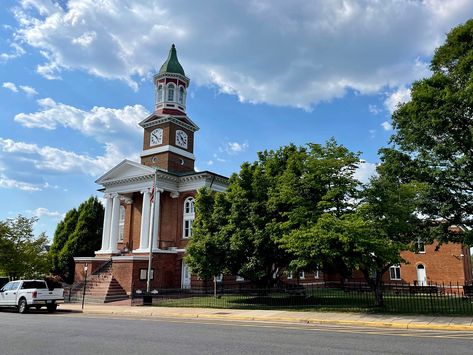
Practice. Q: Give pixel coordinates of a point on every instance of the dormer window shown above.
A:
(171, 89)
(181, 95)
(160, 93)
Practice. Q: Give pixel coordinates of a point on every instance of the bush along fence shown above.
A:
(451, 299)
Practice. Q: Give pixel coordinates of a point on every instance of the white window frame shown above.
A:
(289, 275)
(239, 278)
(219, 278)
(301, 275)
(160, 93)
(144, 274)
(392, 270)
(317, 274)
(188, 217)
(181, 94)
(418, 244)
(171, 86)
(121, 223)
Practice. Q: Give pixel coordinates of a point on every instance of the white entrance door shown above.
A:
(421, 275)
(186, 276)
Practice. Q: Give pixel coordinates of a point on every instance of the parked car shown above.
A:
(24, 294)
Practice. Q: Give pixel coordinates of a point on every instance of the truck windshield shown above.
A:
(33, 284)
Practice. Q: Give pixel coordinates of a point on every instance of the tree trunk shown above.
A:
(378, 294)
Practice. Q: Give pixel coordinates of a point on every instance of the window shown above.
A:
(239, 278)
(316, 274)
(144, 274)
(171, 89)
(189, 215)
(289, 275)
(420, 246)
(121, 224)
(302, 275)
(219, 278)
(395, 272)
(33, 284)
(181, 95)
(160, 93)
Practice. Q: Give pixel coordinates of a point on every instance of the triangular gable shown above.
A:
(184, 119)
(123, 170)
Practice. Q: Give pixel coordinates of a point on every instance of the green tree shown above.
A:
(434, 135)
(64, 230)
(281, 191)
(22, 255)
(368, 237)
(79, 234)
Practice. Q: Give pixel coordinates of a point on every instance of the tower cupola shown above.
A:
(171, 86)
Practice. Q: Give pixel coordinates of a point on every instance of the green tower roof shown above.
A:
(172, 65)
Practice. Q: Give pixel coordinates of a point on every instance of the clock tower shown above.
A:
(168, 131)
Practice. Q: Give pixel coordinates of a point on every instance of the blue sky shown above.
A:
(75, 79)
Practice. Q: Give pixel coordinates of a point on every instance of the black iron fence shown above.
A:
(397, 298)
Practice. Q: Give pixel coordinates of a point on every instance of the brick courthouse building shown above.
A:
(120, 266)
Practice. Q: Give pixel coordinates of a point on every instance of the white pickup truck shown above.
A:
(24, 294)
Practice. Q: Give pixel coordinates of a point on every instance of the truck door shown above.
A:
(11, 294)
(4, 292)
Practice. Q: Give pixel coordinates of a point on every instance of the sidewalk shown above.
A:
(331, 318)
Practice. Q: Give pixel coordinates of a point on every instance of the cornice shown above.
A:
(168, 118)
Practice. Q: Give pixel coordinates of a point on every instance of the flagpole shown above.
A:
(153, 228)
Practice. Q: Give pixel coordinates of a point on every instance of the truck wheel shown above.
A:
(52, 308)
(22, 306)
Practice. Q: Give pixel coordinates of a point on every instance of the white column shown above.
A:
(155, 220)
(114, 227)
(106, 223)
(144, 231)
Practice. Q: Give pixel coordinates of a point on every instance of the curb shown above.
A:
(343, 322)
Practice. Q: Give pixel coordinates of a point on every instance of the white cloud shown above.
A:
(28, 90)
(51, 159)
(401, 95)
(210, 162)
(374, 109)
(296, 53)
(18, 51)
(8, 183)
(10, 86)
(235, 147)
(387, 126)
(365, 171)
(44, 212)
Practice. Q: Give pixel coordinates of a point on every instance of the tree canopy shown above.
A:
(22, 255)
(78, 234)
(434, 135)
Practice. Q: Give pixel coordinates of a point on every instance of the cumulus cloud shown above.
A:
(28, 90)
(17, 51)
(365, 171)
(46, 158)
(401, 95)
(235, 147)
(387, 126)
(10, 86)
(8, 183)
(295, 53)
(44, 212)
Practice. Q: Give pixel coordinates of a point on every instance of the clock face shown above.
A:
(181, 139)
(156, 137)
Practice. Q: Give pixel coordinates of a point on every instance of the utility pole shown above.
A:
(154, 232)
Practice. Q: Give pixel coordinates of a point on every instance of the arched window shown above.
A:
(181, 95)
(171, 89)
(121, 224)
(160, 93)
(188, 218)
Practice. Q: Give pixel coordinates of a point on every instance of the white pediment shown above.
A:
(125, 169)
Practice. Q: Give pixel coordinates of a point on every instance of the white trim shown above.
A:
(129, 258)
(91, 258)
(167, 148)
(155, 250)
(149, 122)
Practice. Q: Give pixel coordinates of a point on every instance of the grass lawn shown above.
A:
(327, 300)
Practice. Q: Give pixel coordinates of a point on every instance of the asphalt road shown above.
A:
(41, 333)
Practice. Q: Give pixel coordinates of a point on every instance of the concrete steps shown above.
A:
(100, 288)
